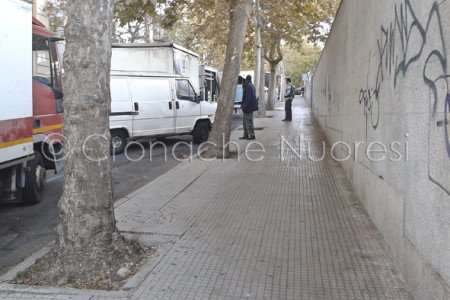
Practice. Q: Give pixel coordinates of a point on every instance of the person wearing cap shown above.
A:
(249, 106)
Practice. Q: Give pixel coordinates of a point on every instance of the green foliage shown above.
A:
(298, 61)
(202, 25)
(134, 10)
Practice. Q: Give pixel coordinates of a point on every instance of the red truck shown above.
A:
(31, 117)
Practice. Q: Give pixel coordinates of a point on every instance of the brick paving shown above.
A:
(270, 229)
(283, 227)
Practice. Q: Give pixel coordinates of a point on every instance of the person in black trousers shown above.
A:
(249, 105)
(289, 97)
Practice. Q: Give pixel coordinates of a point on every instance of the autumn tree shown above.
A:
(201, 27)
(239, 12)
(290, 23)
(301, 60)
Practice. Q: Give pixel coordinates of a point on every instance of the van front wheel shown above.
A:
(200, 133)
(118, 141)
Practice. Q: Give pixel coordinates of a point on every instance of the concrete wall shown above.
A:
(384, 77)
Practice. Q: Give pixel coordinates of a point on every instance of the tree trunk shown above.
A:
(272, 85)
(220, 135)
(88, 244)
(262, 87)
(282, 80)
(258, 46)
(275, 49)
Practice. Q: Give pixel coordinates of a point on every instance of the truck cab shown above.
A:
(47, 97)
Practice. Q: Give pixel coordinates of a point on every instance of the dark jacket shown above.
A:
(249, 102)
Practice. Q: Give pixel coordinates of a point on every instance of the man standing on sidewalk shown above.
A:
(249, 105)
(288, 96)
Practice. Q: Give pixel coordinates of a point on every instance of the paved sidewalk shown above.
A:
(269, 229)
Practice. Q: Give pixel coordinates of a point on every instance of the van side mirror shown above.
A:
(198, 98)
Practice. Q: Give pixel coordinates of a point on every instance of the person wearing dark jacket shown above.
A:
(289, 97)
(249, 105)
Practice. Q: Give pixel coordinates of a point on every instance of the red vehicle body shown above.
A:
(47, 97)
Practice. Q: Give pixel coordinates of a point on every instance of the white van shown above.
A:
(156, 105)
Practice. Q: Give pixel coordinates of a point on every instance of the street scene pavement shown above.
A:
(262, 225)
(26, 229)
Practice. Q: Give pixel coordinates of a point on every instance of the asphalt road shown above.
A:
(26, 229)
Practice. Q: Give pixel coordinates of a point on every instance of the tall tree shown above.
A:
(257, 45)
(88, 244)
(239, 14)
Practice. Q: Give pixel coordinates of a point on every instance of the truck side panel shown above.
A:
(16, 124)
(15, 138)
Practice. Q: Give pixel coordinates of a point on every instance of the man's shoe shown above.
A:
(251, 138)
(284, 120)
(243, 138)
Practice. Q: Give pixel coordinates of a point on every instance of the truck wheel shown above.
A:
(200, 133)
(35, 180)
(118, 141)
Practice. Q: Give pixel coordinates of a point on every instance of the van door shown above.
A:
(153, 101)
(121, 116)
(187, 108)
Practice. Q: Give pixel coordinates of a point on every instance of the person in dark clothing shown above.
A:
(248, 106)
(289, 97)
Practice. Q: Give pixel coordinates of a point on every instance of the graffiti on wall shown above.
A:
(370, 100)
(401, 45)
(446, 120)
(332, 99)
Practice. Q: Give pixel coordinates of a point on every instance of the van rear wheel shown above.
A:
(118, 141)
(200, 133)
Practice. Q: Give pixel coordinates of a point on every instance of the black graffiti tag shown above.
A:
(400, 45)
(369, 99)
(446, 120)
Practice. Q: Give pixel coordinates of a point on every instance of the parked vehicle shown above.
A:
(164, 58)
(210, 81)
(31, 104)
(158, 90)
(239, 89)
(146, 104)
